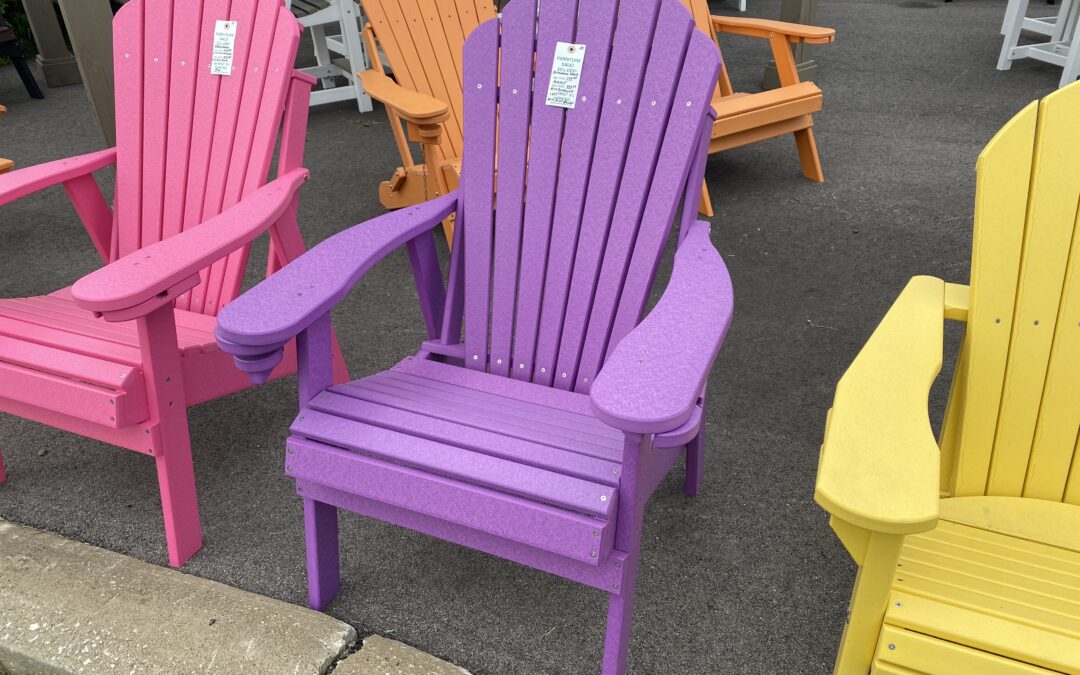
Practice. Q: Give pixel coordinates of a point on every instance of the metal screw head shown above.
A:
(584, 98)
(543, 370)
(592, 554)
(899, 604)
(183, 63)
(618, 101)
(615, 586)
(515, 91)
(475, 357)
(653, 103)
(1036, 322)
(596, 533)
(479, 86)
(689, 103)
(892, 647)
(603, 498)
(498, 361)
(564, 374)
(521, 365)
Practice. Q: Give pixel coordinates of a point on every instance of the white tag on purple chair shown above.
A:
(565, 74)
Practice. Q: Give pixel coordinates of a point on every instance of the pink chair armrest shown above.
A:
(652, 380)
(156, 271)
(26, 181)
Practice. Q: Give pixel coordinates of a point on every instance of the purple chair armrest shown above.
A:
(140, 282)
(255, 326)
(654, 377)
(26, 181)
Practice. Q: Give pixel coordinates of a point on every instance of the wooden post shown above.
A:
(57, 63)
(795, 11)
(89, 24)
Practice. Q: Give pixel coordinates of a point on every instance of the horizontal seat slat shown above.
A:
(733, 122)
(456, 462)
(477, 416)
(73, 342)
(85, 401)
(67, 364)
(478, 440)
(549, 397)
(568, 420)
(573, 535)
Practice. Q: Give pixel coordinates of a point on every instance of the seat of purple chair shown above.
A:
(484, 440)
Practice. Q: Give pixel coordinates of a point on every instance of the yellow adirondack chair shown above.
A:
(969, 548)
(422, 42)
(745, 118)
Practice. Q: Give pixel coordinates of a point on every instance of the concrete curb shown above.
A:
(380, 656)
(68, 607)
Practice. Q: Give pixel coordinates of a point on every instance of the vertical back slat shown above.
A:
(556, 24)
(1055, 190)
(637, 20)
(429, 60)
(230, 97)
(683, 137)
(262, 113)
(202, 131)
(185, 69)
(450, 75)
(1052, 452)
(596, 25)
(128, 73)
(481, 98)
(157, 59)
(518, 28)
(673, 27)
(1002, 182)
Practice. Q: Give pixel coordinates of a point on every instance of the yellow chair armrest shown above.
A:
(763, 28)
(879, 465)
(412, 105)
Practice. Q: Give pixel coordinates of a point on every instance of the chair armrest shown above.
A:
(255, 326)
(762, 28)
(140, 282)
(22, 182)
(879, 466)
(412, 105)
(652, 380)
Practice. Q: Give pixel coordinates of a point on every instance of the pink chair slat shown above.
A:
(556, 24)
(446, 457)
(157, 66)
(595, 30)
(477, 185)
(183, 77)
(102, 406)
(68, 341)
(516, 518)
(515, 106)
(624, 90)
(76, 366)
(661, 78)
(128, 74)
(604, 472)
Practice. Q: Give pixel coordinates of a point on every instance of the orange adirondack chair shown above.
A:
(744, 118)
(422, 42)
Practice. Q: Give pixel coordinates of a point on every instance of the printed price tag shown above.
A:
(224, 39)
(565, 75)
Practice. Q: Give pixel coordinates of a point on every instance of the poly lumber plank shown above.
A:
(1055, 190)
(66, 364)
(637, 21)
(471, 438)
(1034, 520)
(982, 631)
(96, 404)
(157, 65)
(183, 77)
(574, 535)
(330, 422)
(905, 651)
(519, 26)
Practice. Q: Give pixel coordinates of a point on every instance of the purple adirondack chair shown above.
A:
(540, 435)
(122, 354)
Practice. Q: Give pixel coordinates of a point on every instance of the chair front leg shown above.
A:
(873, 584)
(3, 473)
(169, 436)
(323, 564)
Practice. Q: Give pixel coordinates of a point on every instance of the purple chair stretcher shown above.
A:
(542, 412)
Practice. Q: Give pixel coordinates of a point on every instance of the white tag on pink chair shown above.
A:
(221, 61)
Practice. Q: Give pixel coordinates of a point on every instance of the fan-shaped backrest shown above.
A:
(1015, 415)
(422, 40)
(190, 143)
(558, 266)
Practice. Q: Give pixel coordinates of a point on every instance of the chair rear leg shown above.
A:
(620, 618)
(179, 504)
(323, 567)
(1011, 32)
(705, 208)
(695, 464)
(808, 155)
(3, 473)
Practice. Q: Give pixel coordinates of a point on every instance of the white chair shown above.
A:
(340, 54)
(1061, 29)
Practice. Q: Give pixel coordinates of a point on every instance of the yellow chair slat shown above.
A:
(908, 653)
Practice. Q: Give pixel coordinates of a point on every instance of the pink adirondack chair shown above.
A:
(542, 434)
(121, 355)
